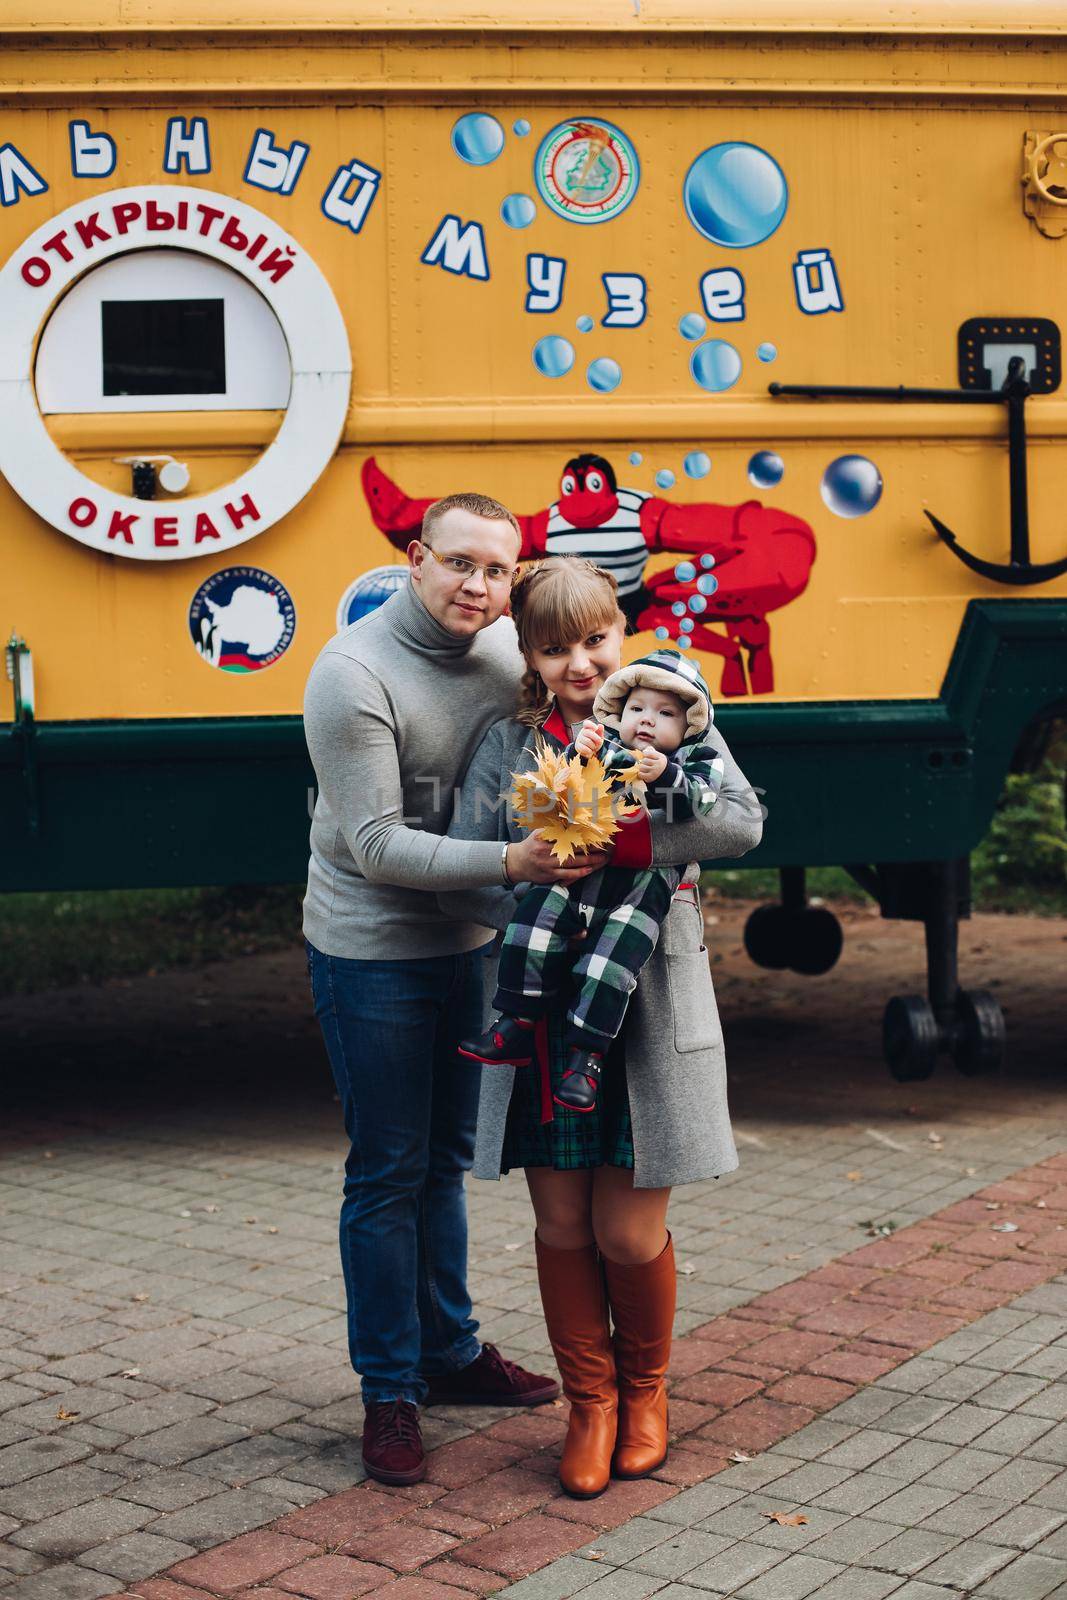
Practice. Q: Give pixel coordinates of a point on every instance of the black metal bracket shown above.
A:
(1019, 570)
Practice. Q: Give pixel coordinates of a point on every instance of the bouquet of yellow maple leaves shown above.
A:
(570, 801)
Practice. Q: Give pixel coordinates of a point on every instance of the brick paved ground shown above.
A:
(172, 1368)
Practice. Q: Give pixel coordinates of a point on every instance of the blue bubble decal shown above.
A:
(707, 560)
(553, 356)
(685, 572)
(520, 127)
(735, 194)
(684, 641)
(687, 625)
(663, 633)
(766, 352)
(636, 458)
(585, 324)
(477, 138)
(692, 326)
(678, 608)
(518, 210)
(697, 603)
(851, 486)
(765, 469)
(707, 583)
(664, 478)
(697, 464)
(603, 375)
(715, 365)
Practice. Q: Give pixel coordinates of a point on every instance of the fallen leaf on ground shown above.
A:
(63, 1415)
(934, 1138)
(853, 1177)
(139, 1298)
(132, 1372)
(517, 1246)
(686, 1269)
(785, 1519)
(738, 1455)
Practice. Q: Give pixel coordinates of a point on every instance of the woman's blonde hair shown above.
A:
(556, 601)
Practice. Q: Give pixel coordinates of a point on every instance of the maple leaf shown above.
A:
(785, 1519)
(63, 1415)
(569, 801)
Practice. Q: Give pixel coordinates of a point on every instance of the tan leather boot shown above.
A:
(576, 1313)
(642, 1306)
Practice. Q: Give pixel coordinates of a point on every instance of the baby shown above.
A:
(659, 711)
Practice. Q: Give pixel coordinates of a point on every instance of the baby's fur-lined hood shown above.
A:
(671, 673)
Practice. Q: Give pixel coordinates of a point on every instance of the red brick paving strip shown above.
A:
(491, 1511)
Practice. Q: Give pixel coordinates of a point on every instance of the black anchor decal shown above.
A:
(1019, 570)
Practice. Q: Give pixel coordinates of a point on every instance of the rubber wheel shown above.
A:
(979, 1043)
(909, 1037)
(768, 937)
(816, 941)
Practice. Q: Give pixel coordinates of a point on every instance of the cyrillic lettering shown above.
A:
(239, 514)
(815, 280)
(187, 142)
(92, 155)
(459, 249)
(36, 271)
(205, 528)
(272, 166)
(545, 275)
(626, 299)
(89, 230)
(156, 219)
(276, 264)
(122, 525)
(350, 210)
(82, 513)
(208, 215)
(56, 243)
(232, 236)
(723, 294)
(128, 212)
(166, 532)
(15, 174)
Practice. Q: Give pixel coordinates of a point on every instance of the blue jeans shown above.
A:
(410, 1106)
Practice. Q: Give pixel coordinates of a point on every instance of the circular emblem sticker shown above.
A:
(587, 170)
(241, 619)
(367, 592)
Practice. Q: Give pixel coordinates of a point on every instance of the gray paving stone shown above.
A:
(185, 1441)
(138, 1555)
(226, 1515)
(961, 1383)
(1029, 1577)
(968, 1564)
(912, 1459)
(624, 1583)
(170, 1490)
(558, 1581)
(736, 1566)
(792, 1579)
(965, 1469)
(1013, 1389)
(864, 1447)
(1018, 1480)
(915, 1414)
(26, 1460)
(680, 1552)
(852, 1540)
(1018, 1434)
(1053, 1494)
(69, 1533)
(1051, 1446)
(689, 1507)
(914, 1549)
(1024, 1526)
(632, 1539)
(808, 1482)
(967, 1514)
(260, 1456)
(66, 1582)
(859, 1494)
(1049, 1401)
(963, 1424)
(911, 1504)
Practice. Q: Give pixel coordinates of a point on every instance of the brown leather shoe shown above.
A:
(392, 1442)
(576, 1313)
(490, 1380)
(642, 1305)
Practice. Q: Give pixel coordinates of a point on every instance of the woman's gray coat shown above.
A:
(675, 1062)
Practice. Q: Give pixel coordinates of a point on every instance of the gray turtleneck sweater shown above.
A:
(394, 709)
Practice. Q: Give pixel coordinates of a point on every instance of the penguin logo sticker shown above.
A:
(241, 619)
(587, 170)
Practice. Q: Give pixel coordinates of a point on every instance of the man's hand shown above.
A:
(590, 738)
(651, 764)
(532, 861)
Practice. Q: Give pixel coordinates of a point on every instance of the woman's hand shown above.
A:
(590, 738)
(532, 861)
(651, 764)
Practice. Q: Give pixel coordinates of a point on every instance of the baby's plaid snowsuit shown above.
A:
(620, 909)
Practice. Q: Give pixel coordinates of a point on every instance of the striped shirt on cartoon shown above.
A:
(617, 545)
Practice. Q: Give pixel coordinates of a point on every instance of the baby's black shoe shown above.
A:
(581, 1079)
(507, 1042)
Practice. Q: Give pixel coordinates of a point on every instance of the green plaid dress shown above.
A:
(573, 1140)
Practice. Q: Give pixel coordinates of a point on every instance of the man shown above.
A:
(395, 707)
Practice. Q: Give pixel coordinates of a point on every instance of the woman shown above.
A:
(600, 1182)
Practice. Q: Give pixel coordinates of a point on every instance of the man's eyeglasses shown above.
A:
(460, 567)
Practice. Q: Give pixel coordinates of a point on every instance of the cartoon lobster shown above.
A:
(762, 556)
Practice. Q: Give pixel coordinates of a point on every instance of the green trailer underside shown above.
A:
(90, 805)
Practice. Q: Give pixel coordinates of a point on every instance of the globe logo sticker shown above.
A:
(367, 592)
(241, 619)
(587, 170)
